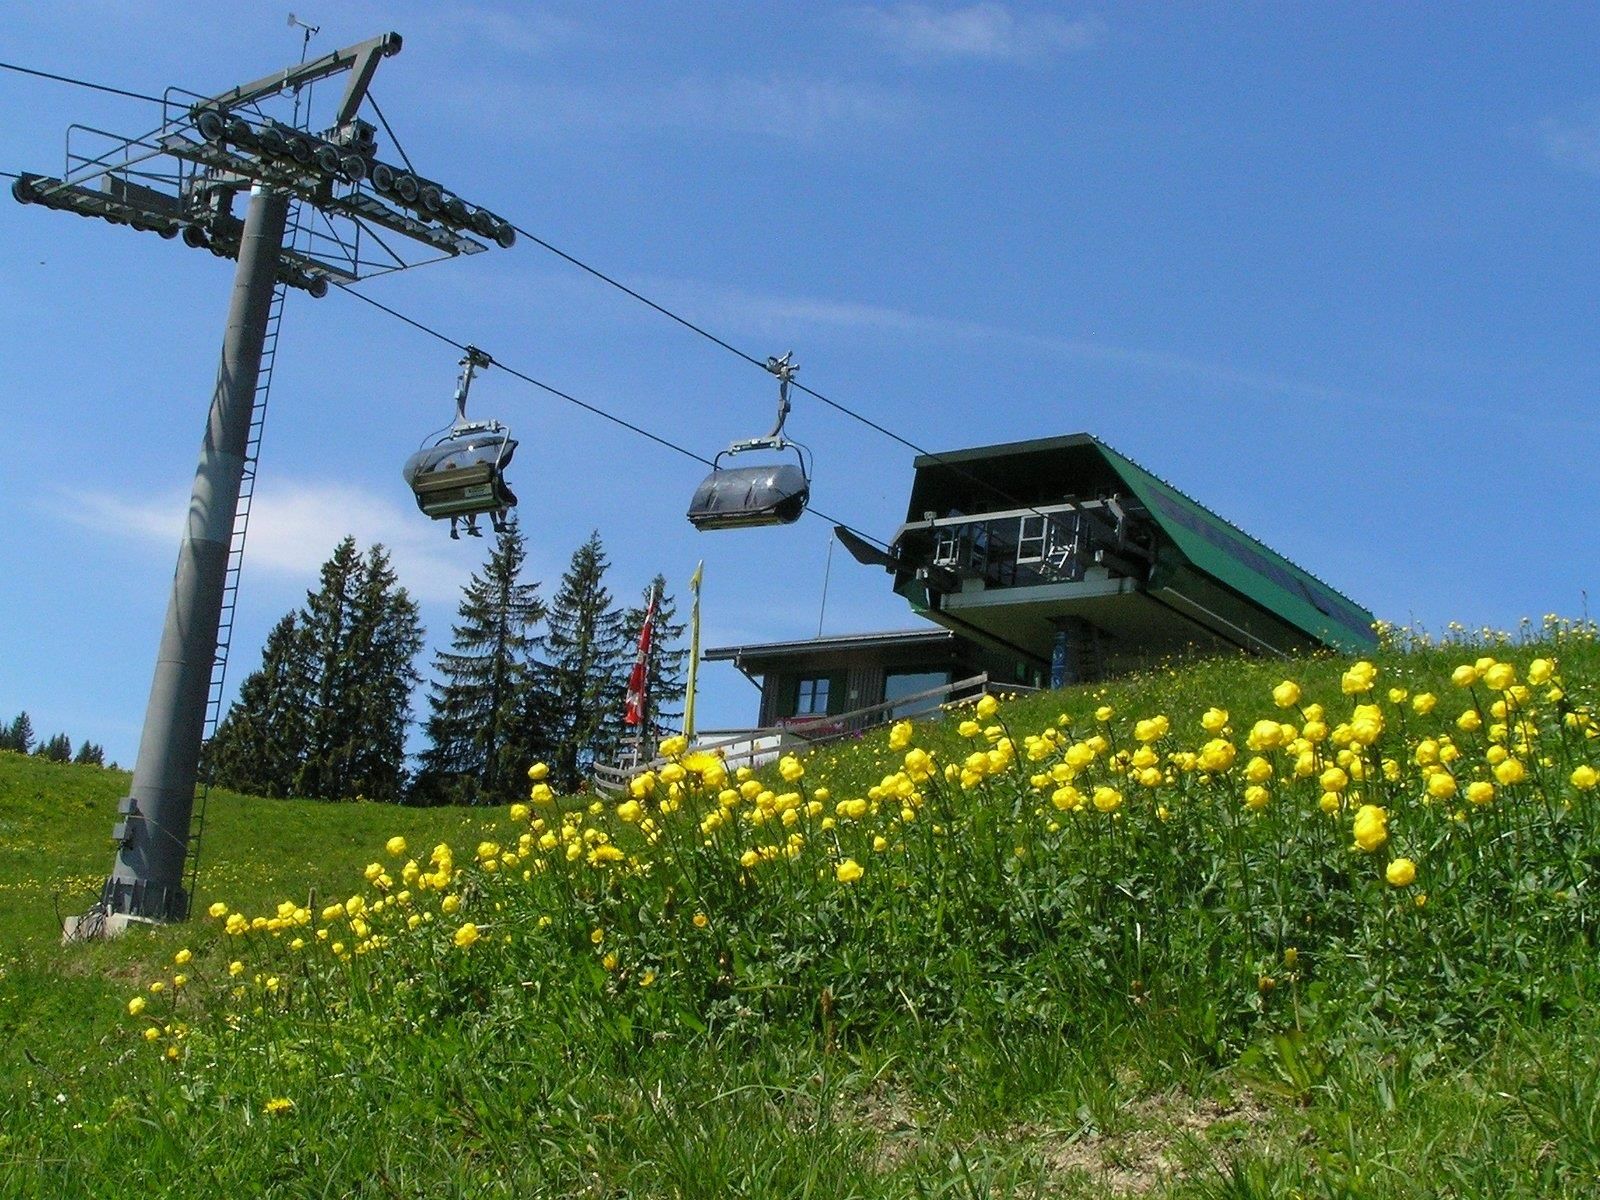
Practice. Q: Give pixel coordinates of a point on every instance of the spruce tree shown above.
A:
(261, 743)
(19, 734)
(664, 666)
(56, 749)
(583, 672)
(364, 633)
(327, 619)
(90, 754)
(478, 742)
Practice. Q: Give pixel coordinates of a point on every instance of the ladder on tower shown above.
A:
(230, 587)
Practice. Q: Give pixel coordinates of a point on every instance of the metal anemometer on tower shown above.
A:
(186, 178)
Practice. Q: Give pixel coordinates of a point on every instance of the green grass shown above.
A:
(993, 1009)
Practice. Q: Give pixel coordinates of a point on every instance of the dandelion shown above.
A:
(278, 1106)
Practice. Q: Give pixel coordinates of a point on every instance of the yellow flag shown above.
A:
(694, 650)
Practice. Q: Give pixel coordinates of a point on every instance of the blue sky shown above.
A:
(1330, 269)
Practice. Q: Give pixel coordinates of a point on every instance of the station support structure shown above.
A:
(222, 146)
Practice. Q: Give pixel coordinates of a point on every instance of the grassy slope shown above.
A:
(55, 847)
(922, 1113)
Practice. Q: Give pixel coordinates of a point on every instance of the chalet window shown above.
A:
(1031, 539)
(947, 546)
(812, 697)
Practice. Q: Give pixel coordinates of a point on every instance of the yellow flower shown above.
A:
(1371, 827)
(1422, 703)
(466, 935)
(450, 905)
(218, 910)
(987, 707)
(135, 1006)
(1286, 694)
(1217, 755)
(1104, 713)
(182, 957)
(1441, 785)
(1509, 771)
(1151, 729)
(1401, 872)
(539, 771)
(900, 735)
(1480, 792)
(849, 870)
(278, 1106)
(520, 813)
(152, 1034)
(1358, 678)
(1541, 671)
(395, 845)
(1469, 721)
(790, 768)
(1464, 676)
(1500, 676)
(1107, 799)
(1256, 797)
(236, 968)
(541, 794)
(597, 936)
(673, 746)
(1584, 778)
(701, 920)
(1214, 720)
(630, 811)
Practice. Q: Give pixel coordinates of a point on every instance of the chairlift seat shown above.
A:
(463, 475)
(750, 497)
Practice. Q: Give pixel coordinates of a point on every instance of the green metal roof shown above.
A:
(1227, 553)
(1027, 471)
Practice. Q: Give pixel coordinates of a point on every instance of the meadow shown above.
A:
(1323, 927)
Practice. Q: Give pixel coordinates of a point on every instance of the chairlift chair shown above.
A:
(461, 475)
(756, 496)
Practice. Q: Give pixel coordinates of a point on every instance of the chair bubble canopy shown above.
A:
(461, 476)
(749, 497)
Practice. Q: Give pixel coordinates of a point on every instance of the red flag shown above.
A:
(639, 677)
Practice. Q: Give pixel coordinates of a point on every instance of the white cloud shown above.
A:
(1573, 144)
(777, 316)
(294, 526)
(779, 107)
(985, 31)
(523, 30)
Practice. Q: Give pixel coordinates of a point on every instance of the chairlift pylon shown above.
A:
(756, 496)
(461, 475)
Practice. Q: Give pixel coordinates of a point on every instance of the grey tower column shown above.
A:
(147, 880)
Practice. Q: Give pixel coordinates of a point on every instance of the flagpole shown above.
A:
(694, 650)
